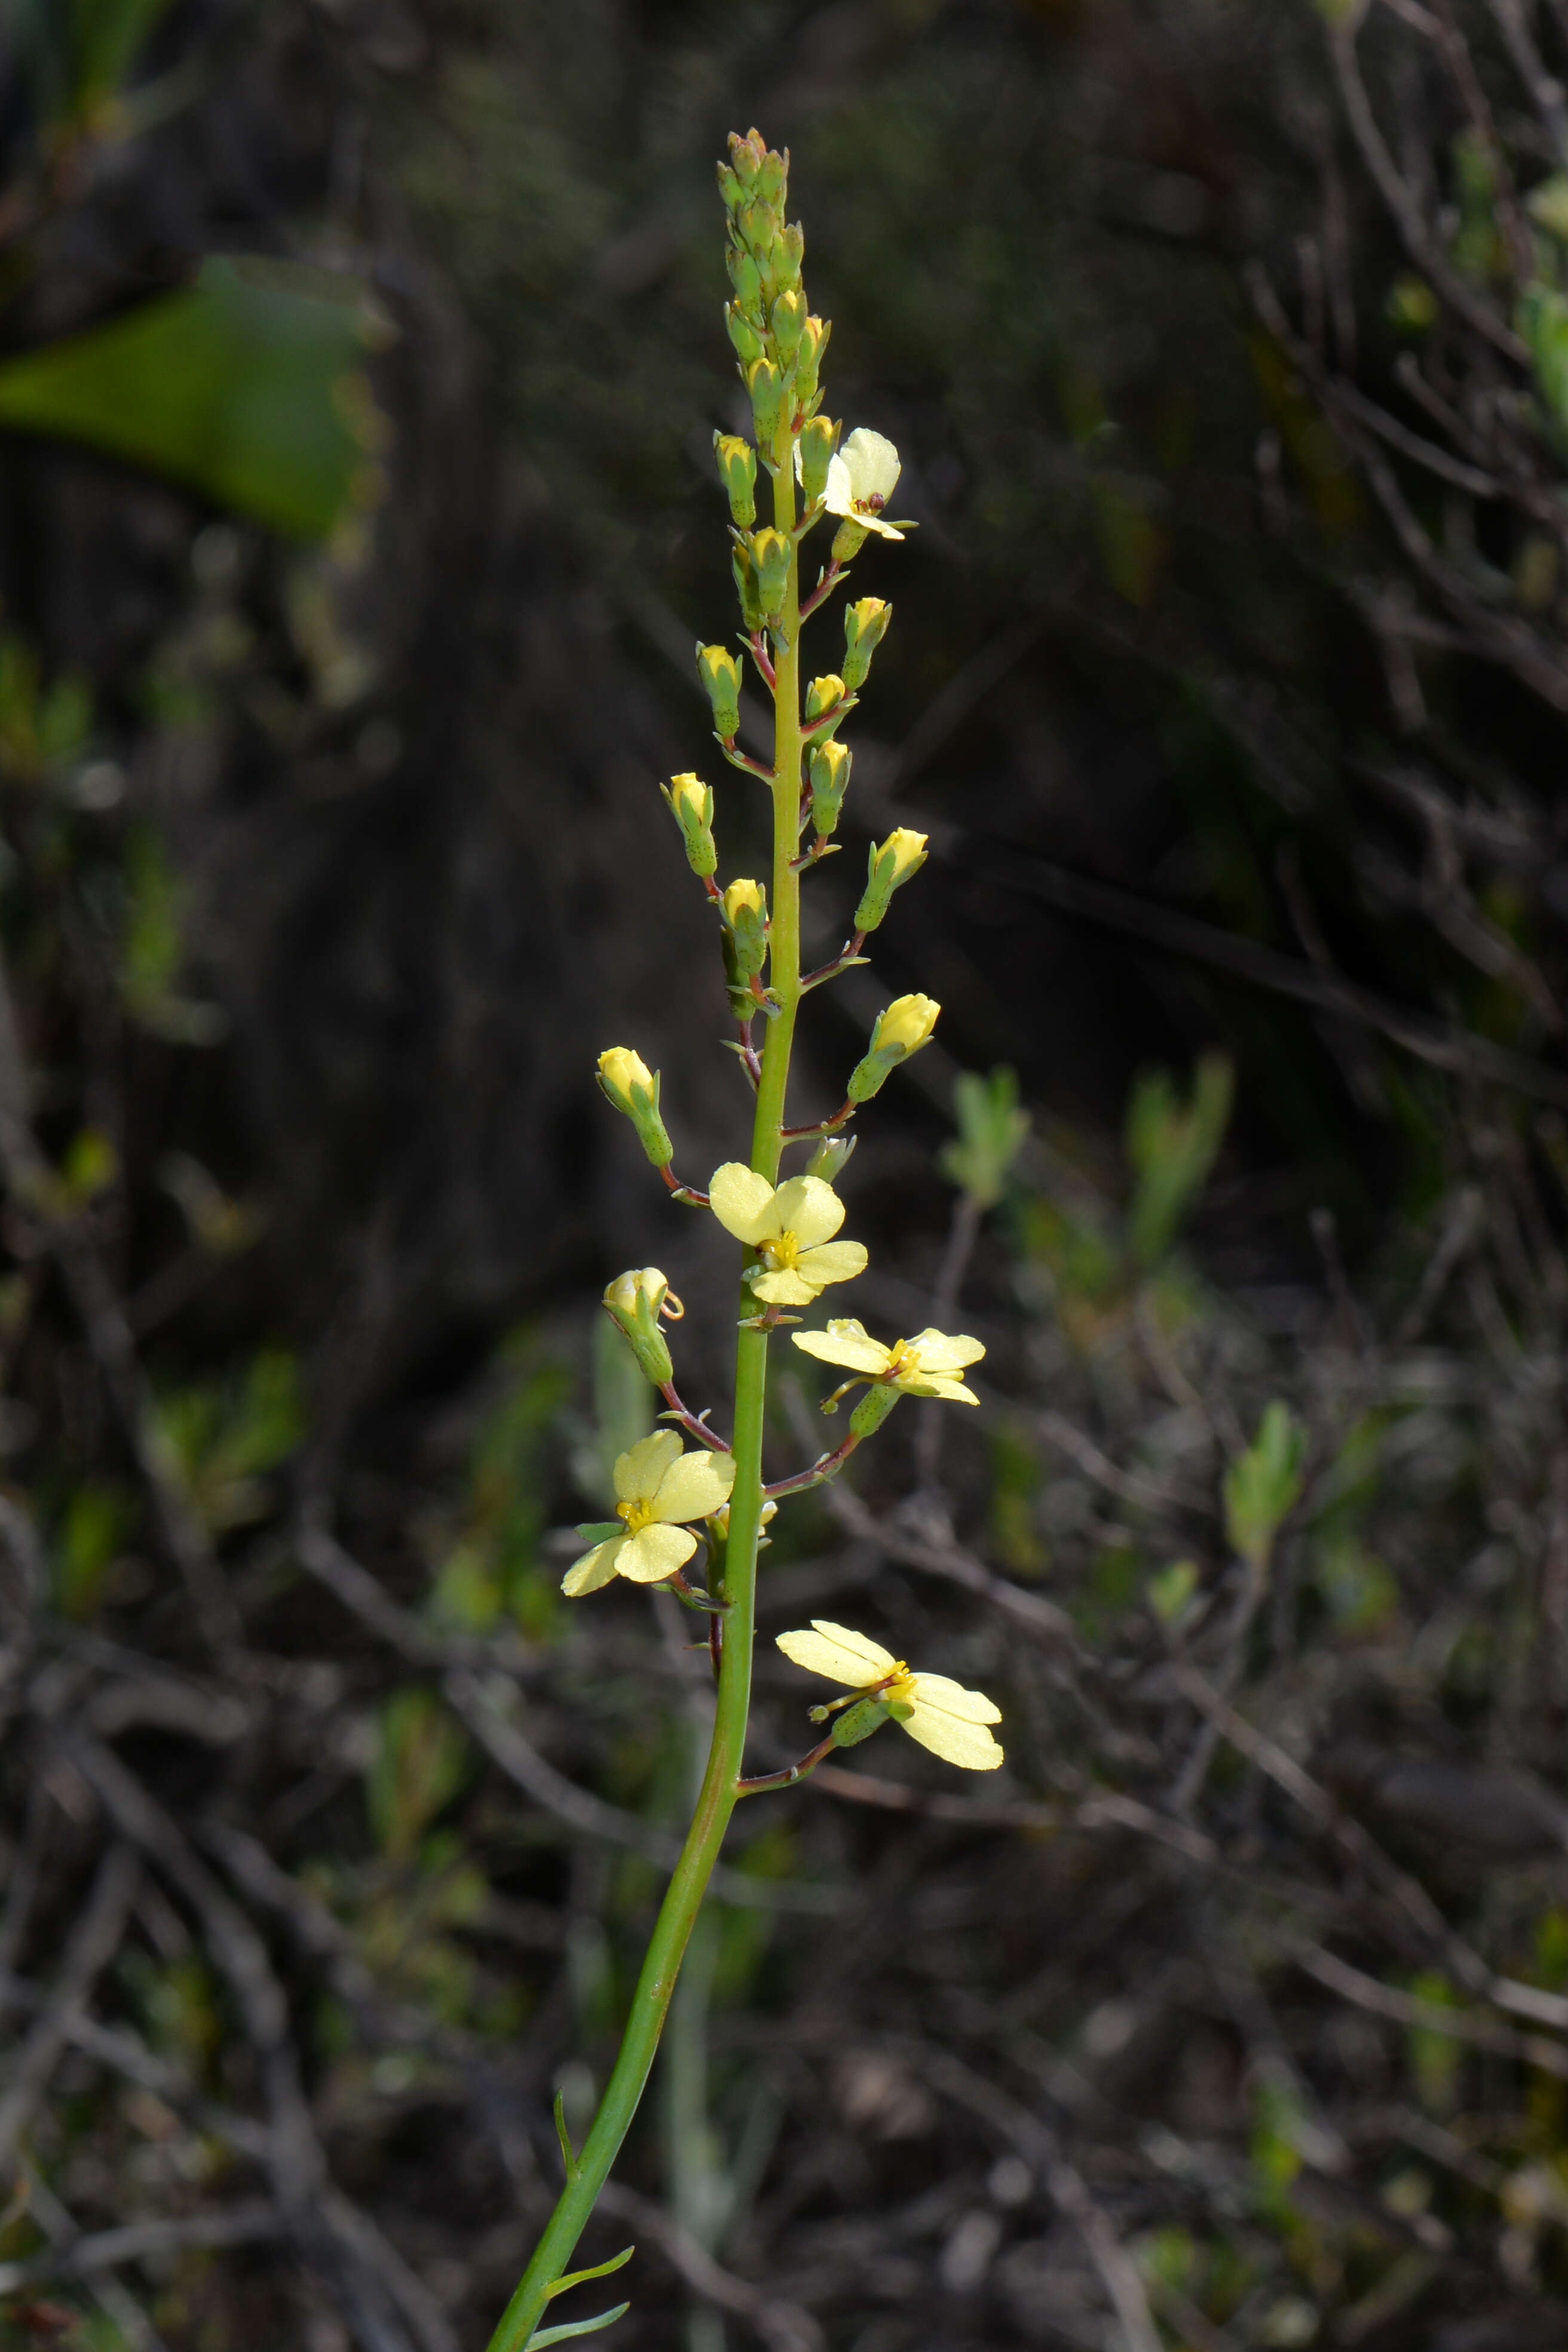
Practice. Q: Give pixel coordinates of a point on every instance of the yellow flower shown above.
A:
(657, 1488)
(791, 1229)
(940, 1714)
(624, 1075)
(905, 1026)
(861, 478)
(922, 1366)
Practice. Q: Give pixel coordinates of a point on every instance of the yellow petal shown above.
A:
(838, 1654)
(809, 1209)
(953, 1392)
(956, 1742)
(637, 1473)
(935, 1352)
(951, 1699)
(594, 1568)
(833, 1262)
(785, 1288)
(883, 529)
(743, 1202)
(848, 1343)
(654, 1553)
(695, 1487)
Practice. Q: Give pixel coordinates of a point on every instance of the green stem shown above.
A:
(716, 1799)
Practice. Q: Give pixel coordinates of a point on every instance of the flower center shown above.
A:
(872, 505)
(780, 1253)
(903, 1358)
(636, 1516)
(898, 1685)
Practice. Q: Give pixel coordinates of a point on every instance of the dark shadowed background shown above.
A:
(359, 367)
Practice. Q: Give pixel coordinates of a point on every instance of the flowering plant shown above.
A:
(787, 1226)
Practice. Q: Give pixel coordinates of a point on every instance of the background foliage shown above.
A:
(358, 367)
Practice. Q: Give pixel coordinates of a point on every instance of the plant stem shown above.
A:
(716, 1799)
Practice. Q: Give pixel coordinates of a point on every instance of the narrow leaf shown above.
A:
(568, 2153)
(600, 2269)
(576, 2327)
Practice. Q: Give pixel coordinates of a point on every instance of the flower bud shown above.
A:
(690, 803)
(769, 552)
(865, 626)
(822, 696)
(721, 675)
(788, 319)
(828, 1160)
(636, 1301)
(872, 1411)
(814, 455)
(902, 854)
(737, 462)
(788, 253)
(748, 344)
(628, 1083)
(746, 156)
(772, 174)
(808, 359)
(746, 906)
(746, 279)
(731, 187)
(765, 386)
(901, 1030)
(830, 765)
(758, 227)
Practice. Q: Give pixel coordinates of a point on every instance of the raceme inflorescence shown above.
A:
(673, 1502)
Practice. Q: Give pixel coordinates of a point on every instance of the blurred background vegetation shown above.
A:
(359, 362)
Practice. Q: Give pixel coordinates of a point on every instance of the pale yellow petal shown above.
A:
(956, 1742)
(833, 1262)
(840, 492)
(838, 1654)
(656, 1552)
(951, 1699)
(594, 1568)
(936, 1352)
(695, 1487)
(883, 529)
(743, 1202)
(953, 1392)
(785, 1288)
(809, 1209)
(847, 1343)
(637, 1473)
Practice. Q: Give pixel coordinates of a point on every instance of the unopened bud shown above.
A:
(822, 696)
(901, 1030)
(847, 540)
(888, 867)
(865, 626)
(788, 319)
(758, 226)
(737, 463)
(872, 1411)
(633, 1087)
(747, 341)
(690, 803)
(636, 1301)
(772, 175)
(827, 1161)
(814, 455)
(721, 675)
(789, 252)
(746, 279)
(769, 552)
(746, 155)
(731, 187)
(746, 906)
(808, 359)
(830, 765)
(765, 386)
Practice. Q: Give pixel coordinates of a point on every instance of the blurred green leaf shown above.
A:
(225, 1436)
(248, 390)
(991, 1134)
(1170, 1592)
(420, 1757)
(1173, 1146)
(92, 1530)
(105, 37)
(1262, 1485)
(1542, 321)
